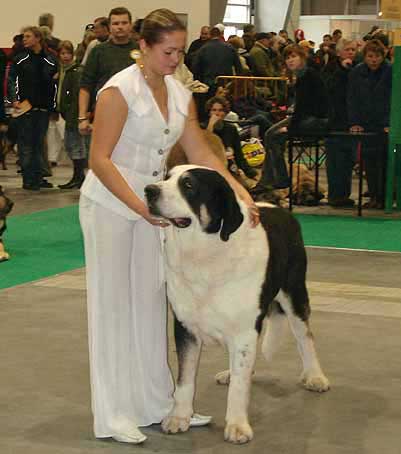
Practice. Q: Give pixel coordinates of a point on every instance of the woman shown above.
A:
(369, 99)
(309, 116)
(130, 377)
(340, 153)
(76, 145)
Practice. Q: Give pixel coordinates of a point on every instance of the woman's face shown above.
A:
(348, 52)
(66, 57)
(294, 62)
(373, 60)
(163, 58)
(218, 110)
(30, 40)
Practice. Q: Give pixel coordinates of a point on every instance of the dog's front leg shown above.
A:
(188, 352)
(242, 359)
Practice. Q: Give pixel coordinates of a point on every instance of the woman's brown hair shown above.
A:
(294, 49)
(374, 46)
(159, 22)
(66, 45)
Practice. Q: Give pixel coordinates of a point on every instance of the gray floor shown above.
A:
(356, 301)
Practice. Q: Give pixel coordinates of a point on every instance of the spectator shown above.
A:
(239, 46)
(105, 60)
(310, 116)
(31, 79)
(196, 45)
(102, 33)
(47, 20)
(76, 145)
(89, 36)
(369, 99)
(248, 36)
(326, 54)
(3, 66)
(337, 35)
(340, 153)
(217, 109)
(261, 55)
(299, 35)
(215, 59)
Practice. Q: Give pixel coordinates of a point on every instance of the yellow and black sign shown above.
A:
(390, 9)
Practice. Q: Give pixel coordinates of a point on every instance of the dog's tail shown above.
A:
(276, 326)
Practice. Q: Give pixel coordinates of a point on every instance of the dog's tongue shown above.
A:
(182, 222)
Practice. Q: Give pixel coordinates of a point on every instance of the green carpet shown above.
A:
(49, 242)
(41, 244)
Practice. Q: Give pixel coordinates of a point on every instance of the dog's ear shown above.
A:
(231, 213)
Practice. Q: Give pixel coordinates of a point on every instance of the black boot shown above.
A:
(77, 177)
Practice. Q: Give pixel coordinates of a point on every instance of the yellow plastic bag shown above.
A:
(254, 152)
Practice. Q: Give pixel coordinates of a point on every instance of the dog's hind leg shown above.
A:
(242, 352)
(276, 324)
(188, 352)
(296, 307)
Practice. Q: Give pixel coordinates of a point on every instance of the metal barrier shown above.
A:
(267, 87)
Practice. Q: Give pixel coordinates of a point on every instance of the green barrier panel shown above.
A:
(394, 149)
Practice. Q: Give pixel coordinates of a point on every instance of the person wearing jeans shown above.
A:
(31, 81)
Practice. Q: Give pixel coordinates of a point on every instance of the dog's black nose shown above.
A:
(152, 192)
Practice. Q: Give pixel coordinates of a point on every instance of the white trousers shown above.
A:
(131, 381)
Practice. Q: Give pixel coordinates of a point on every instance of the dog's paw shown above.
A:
(238, 433)
(315, 382)
(175, 424)
(223, 378)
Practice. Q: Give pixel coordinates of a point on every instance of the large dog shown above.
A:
(224, 279)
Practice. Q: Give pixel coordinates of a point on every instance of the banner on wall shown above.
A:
(390, 9)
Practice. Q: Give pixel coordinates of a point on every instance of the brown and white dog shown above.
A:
(225, 280)
(6, 206)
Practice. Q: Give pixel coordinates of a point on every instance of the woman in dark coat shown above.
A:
(309, 116)
(340, 151)
(369, 100)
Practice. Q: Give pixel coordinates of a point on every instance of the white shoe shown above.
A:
(134, 439)
(198, 420)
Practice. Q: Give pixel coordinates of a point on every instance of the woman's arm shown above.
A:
(198, 152)
(105, 136)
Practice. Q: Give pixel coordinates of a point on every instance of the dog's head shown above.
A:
(196, 194)
(6, 204)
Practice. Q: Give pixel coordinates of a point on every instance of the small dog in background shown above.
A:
(8, 140)
(6, 206)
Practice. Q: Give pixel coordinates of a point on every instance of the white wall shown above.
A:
(270, 16)
(71, 16)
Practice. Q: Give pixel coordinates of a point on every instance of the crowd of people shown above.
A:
(327, 89)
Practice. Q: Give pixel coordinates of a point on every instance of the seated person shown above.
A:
(217, 109)
(309, 116)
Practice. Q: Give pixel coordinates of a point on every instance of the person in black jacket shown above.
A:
(340, 151)
(196, 45)
(3, 66)
(369, 100)
(309, 116)
(215, 58)
(31, 79)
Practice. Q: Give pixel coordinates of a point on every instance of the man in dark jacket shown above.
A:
(31, 80)
(340, 151)
(196, 45)
(216, 58)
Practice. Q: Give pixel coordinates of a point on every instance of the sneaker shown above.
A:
(46, 184)
(198, 420)
(135, 440)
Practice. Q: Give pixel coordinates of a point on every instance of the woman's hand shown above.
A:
(151, 219)
(253, 209)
